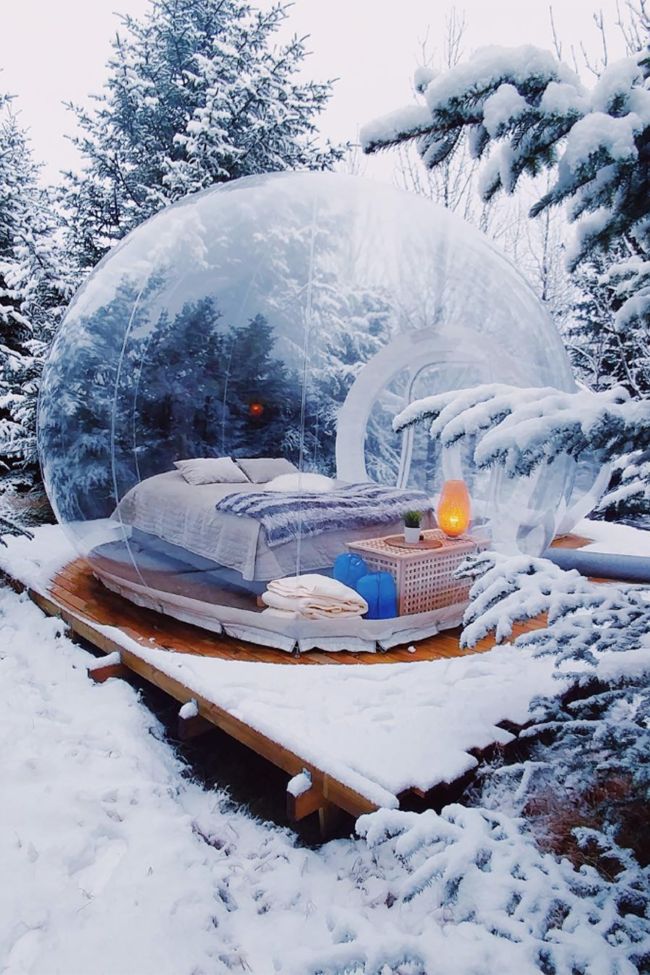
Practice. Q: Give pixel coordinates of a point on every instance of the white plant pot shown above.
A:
(411, 535)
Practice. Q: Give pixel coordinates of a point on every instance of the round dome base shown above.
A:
(351, 635)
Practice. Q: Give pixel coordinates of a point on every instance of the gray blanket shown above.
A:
(285, 516)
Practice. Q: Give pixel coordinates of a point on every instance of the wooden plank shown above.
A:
(329, 816)
(193, 727)
(100, 672)
(299, 806)
(75, 588)
(571, 541)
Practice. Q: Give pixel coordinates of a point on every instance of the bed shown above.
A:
(186, 516)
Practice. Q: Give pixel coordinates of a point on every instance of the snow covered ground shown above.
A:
(114, 863)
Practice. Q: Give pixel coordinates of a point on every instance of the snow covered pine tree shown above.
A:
(196, 95)
(33, 291)
(524, 111)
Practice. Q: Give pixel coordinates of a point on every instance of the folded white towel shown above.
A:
(284, 603)
(312, 584)
(312, 608)
(314, 597)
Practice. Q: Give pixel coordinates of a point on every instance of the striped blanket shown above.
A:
(286, 516)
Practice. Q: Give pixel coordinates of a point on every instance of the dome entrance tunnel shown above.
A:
(216, 412)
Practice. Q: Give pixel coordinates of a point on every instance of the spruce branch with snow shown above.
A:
(525, 111)
(522, 112)
(584, 620)
(587, 776)
(629, 489)
(479, 868)
(585, 782)
(9, 527)
(598, 634)
(522, 428)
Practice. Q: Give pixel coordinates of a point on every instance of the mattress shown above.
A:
(185, 515)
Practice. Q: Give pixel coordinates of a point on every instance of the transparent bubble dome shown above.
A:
(285, 316)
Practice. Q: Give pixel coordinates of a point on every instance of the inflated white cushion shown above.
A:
(211, 470)
(259, 470)
(303, 483)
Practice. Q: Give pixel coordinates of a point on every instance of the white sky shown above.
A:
(55, 50)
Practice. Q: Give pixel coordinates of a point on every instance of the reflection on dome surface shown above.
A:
(286, 316)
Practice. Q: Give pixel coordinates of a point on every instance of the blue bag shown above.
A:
(380, 592)
(348, 569)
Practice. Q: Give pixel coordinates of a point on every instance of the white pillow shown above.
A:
(261, 470)
(301, 483)
(211, 470)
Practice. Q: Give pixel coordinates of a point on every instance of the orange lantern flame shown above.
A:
(256, 410)
(454, 508)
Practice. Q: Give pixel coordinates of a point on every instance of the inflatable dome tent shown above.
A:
(279, 323)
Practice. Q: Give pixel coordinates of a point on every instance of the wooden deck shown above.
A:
(87, 608)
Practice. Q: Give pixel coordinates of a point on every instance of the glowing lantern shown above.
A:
(256, 410)
(454, 508)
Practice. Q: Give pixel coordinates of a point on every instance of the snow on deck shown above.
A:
(378, 730)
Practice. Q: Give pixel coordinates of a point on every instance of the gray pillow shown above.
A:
(211, 470)
(259, 470)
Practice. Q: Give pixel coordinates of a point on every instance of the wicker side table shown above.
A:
(423, 576)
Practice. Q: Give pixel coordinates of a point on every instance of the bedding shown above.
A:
(286, 517)
(185, 515)
(211, 470)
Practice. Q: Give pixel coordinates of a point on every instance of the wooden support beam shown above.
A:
(190, 723)
(420, 793)
(303, 798)
(445, 792)
(111, 666)
(329, 817)
(303, 805)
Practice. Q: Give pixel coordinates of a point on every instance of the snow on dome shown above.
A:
(286, 317)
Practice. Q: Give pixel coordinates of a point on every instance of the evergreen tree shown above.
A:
(196, 94)
(34, 286)
(85, 410)
(177, 406)
(262, 397)
(204, 389)
(17, 177)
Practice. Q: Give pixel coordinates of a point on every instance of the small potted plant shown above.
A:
(412, 521)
